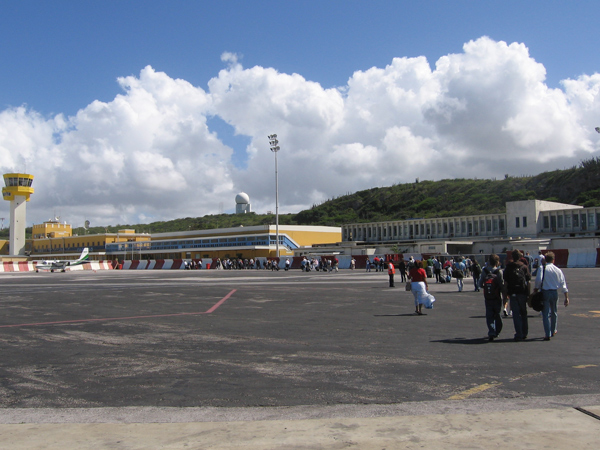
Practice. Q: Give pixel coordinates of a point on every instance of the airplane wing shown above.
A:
(50, 265)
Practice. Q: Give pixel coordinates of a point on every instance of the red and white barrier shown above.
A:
(571, 258)
(153, 264)
(29, 266)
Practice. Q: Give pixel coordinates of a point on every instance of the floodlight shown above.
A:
(273, 143)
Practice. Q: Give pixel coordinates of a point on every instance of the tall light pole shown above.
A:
(273, 143)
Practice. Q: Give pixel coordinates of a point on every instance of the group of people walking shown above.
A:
(501, 289)
(379, 264)
(243, 264)
(512, 286)
(320, 264)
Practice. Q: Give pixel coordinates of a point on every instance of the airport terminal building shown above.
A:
(54, 240)
(530, 225)
(223, 243)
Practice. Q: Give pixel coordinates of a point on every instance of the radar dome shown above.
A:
(242, 198)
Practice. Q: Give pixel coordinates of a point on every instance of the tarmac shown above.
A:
(333, 385)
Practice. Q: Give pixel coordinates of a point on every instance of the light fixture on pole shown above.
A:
(273, 143)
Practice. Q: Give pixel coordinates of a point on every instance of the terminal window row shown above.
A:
(582, 221)
(202, 243)
(427, 229)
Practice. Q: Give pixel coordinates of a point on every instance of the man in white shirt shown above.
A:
(550, 279)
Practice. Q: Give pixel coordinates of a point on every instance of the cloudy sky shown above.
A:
(135, 111)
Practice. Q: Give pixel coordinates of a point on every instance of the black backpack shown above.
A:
(491, 285)
(516, 277)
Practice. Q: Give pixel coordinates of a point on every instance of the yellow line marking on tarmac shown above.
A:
(528, 375)
(475, 390)
(594, 314)
(584, 366)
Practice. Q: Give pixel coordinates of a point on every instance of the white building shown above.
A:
(523, 219)
(528, 225)
(242, 203)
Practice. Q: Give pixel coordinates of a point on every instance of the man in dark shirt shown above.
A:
(402, 268)
(494, 291)
(516, 279)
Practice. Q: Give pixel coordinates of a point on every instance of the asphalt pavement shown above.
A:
(224, 359)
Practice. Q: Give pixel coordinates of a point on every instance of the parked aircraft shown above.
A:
(61, 265)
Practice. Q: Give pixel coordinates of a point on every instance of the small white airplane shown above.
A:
(61, 265)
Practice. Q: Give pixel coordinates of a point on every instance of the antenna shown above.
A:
(2, 219)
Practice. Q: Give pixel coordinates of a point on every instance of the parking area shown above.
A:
(259, 338)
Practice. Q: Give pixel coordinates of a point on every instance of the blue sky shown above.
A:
(57, 58)
(60, 56)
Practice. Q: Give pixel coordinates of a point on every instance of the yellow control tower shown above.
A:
(17, 191)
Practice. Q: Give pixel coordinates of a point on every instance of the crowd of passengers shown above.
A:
(243, 264)
(318, 264)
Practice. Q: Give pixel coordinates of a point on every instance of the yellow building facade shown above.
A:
(239, 242)
(51, 229)
(53, 240)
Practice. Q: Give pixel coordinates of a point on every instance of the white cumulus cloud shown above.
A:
(149, 154)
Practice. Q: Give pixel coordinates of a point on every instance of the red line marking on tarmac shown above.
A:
(219, 303)
(208, 311)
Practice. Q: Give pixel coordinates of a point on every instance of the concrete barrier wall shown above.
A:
(571, 258)
(582, 257)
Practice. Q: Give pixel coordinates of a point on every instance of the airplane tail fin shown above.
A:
(84, 254)
(82, 259)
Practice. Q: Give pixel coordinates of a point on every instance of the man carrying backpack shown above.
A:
(458, 272)
(494, 291)
(516, 279)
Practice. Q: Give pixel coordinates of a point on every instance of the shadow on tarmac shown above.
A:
(398, 315)
(483, 340)
(464, 341)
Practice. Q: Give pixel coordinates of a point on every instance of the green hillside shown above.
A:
(446, 198)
